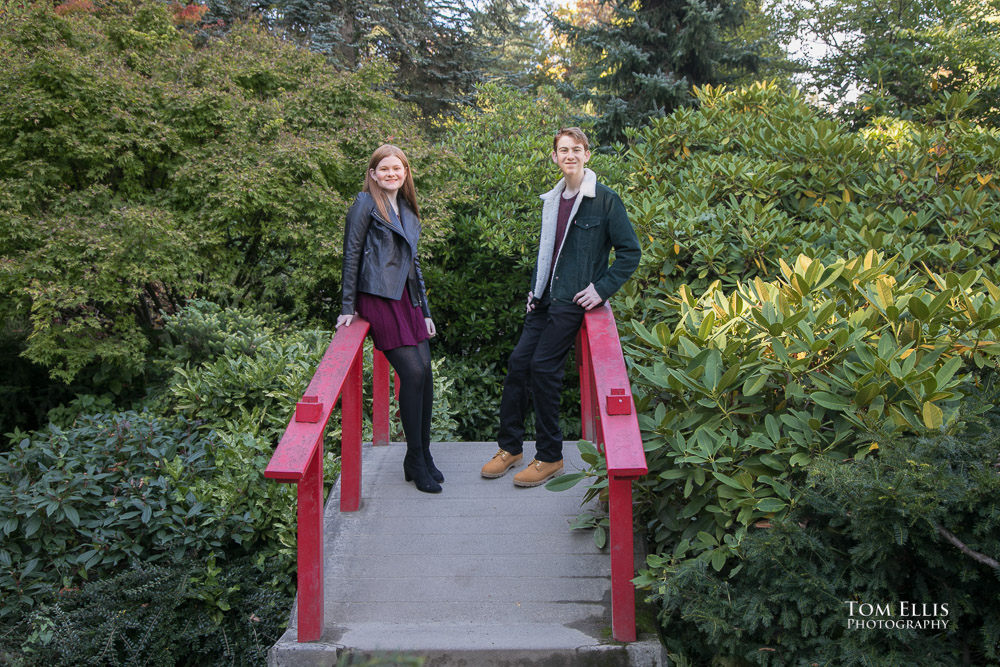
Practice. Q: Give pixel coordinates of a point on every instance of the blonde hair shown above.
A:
(574, 133)
(408, 190)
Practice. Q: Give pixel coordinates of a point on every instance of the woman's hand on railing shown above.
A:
(431, 329)
(344, 320)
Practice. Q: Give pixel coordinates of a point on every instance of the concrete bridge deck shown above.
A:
(484, 573)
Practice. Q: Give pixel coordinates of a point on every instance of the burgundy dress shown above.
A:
(394, 322)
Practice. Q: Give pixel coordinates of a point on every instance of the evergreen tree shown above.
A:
(904, 55)
(644, 57)
(517, 38)
(438, 49)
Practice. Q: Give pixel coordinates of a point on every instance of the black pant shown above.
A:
(539, 357)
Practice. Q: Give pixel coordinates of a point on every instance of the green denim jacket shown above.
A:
(598, 223)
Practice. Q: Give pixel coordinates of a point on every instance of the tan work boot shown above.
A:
(501, 462)
(538, 472)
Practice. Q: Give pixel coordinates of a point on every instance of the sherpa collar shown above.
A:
(587, 189)
(550, 220)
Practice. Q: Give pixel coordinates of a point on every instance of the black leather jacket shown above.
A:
(379, 257)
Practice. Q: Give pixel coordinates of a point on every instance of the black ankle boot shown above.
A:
(415, 470)
(431, 468)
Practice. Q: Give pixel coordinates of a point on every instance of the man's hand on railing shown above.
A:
(344, 320)
(588, 298)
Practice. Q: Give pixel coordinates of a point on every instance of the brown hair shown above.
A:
(575, 133)
(408, 191)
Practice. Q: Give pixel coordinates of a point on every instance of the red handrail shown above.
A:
(298, 458)
(608, 419)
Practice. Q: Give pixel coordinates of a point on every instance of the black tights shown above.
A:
(416, 391)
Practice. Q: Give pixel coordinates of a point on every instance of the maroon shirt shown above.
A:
(562, 223)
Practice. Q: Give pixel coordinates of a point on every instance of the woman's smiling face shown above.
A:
(389, 173)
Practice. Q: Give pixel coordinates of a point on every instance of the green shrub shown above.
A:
(872, 531)
(238, 375)
(151, 613)
(137, 171)
(77, 504)
(204, 331)
(258, 389)
(474, 397)
(759, 354)
(749, 364)
(444, 425)
(65, 415)
(752, 387)
(755, 175)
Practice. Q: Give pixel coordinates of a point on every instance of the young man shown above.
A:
(581, 221)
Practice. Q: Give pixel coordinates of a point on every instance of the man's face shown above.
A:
(570, 155)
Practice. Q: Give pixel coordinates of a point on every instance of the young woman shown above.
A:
(382, 283)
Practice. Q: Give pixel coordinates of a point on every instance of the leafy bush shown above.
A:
(747, 368)
(878, 531)
(751, 388)
(238, 374)
(152, 613)
(205, 331)
(444, 425)
(756, 175)
(808, 296)
(473, 398)
(258, 389)
(77, 504)
(65, 415)
(137, 171)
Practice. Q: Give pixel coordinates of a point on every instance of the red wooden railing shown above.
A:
(608, 419)
(298, 458)
(607, 415)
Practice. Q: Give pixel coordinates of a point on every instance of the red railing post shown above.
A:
(310, 548)
(380, 399)
(622, 559)
(609, 420)
(350, 437)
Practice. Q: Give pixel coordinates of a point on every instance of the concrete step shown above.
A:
(469, 645)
